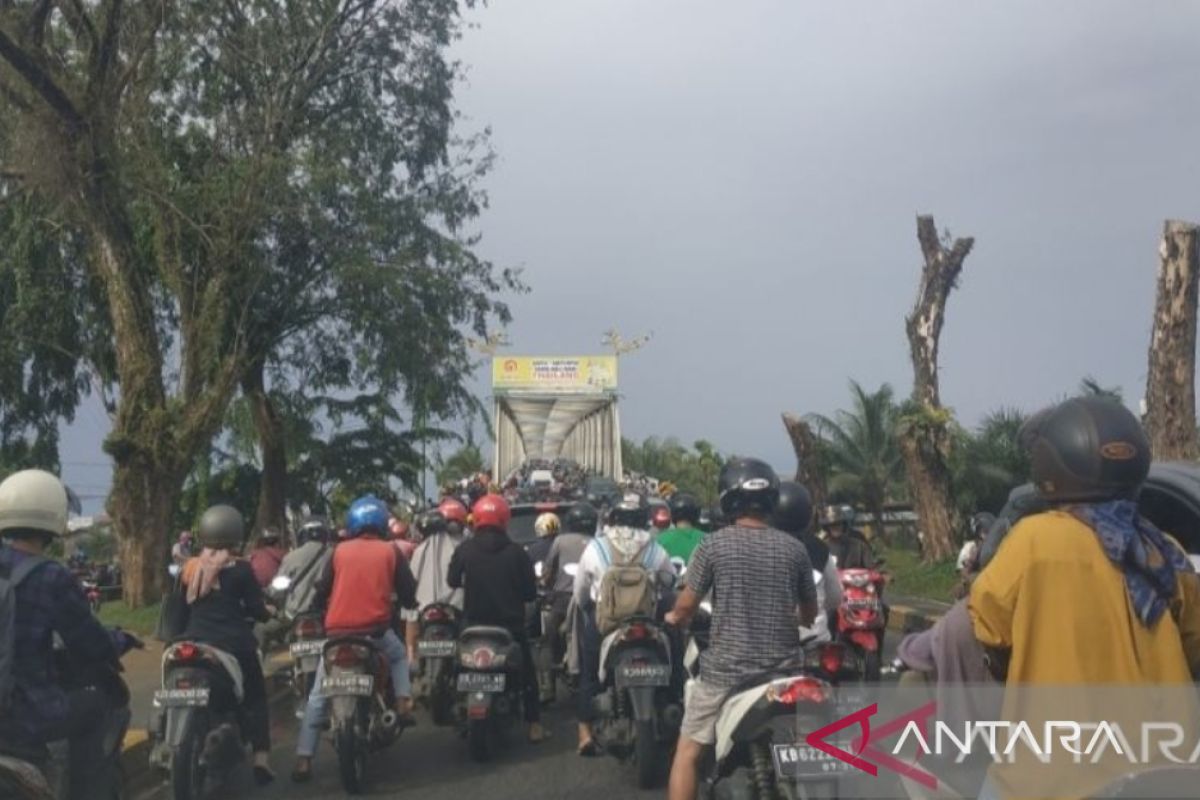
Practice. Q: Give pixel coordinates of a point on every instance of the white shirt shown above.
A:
(966, 556)
(430, 565)
(627, 541)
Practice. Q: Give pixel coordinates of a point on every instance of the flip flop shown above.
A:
(589, 749)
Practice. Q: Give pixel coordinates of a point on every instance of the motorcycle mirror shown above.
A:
(281, 583)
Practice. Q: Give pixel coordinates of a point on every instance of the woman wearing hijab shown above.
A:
(218, 597)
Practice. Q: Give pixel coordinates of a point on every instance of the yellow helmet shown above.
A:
(547, 524)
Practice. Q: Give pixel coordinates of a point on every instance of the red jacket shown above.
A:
(365, 574)
(265, 562)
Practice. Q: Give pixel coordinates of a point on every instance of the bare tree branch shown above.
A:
(79, 21)
(107, 53)
(39, 79)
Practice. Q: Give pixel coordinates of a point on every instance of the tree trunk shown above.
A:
(272, 493)
(1171, 382)
(809, 471)
(142, 506)
(925, 435)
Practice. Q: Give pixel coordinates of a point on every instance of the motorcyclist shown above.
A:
(497, 580)
(848, 546)
(304, 565)
(710, 520)
(400, 533)
(546, 526)
(1088, 576)
(217, 592)
(356, 589)
(794, 516)
(49, 602)
(626, 530)
(558, 574)
(267, 555)
(660, 518)
(685, 535)
(444, 530)
(761, 584)
(181, 551)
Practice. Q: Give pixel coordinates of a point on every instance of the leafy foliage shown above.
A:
(694, 470)
(988, 463)
(464, 462)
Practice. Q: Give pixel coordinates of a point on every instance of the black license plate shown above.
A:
(490, 682)
(358, 685)
(643, 675)
(434, 648)
(803, 761)
(174, 698)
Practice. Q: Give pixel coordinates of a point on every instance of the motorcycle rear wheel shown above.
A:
(478, 735)
(352, 752)
(872, 668)
(187, 773)
(647, 755)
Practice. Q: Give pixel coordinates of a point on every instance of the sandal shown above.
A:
(589, 749)
(263, 775)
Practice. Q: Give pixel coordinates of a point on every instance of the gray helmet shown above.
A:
(221, 528)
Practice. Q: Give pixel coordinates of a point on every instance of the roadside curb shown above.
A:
(905, 619)
(141, 778)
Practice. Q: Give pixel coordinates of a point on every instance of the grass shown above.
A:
(912, 578)
(140, 621)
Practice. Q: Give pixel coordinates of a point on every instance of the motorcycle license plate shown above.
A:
(312, 647)
(175, 698)
(802, 761)
(434, 648)
(358, 685)
(490, 682)
(643, 675)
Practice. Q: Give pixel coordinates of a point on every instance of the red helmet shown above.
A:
(454, 511)
(661, 517)
(491, 511)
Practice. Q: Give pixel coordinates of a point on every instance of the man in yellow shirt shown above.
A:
(1088, 594)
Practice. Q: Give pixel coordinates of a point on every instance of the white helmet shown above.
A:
(547, 524)
(33, 499)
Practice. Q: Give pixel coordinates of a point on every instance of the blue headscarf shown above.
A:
(1130, 541)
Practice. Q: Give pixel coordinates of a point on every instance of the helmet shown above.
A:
(397, 528)
(710, 519)
(367, 514)
(33, 499)
(490, 511)
(630, 510)
(431, 523)
(453, 510)
(313, 529)
(684, 507)
(836, 515)
(547, 524)
(1087, 449)
(582, 518)
(981, 523)
(269, 535)
(661, 517)
(747, 484)
(222, 528)
(794, 514)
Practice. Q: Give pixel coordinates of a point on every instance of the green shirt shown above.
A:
(681, 542)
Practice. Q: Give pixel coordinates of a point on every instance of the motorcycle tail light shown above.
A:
(185, 652)
(482, 658)
(832, 658)
(636, 632)
(435, 614)
(309, 628)
(791, 691)
(347, 656)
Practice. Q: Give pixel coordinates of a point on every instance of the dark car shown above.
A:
(524, 515)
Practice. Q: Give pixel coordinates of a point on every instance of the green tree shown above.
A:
(1090, 387)
(862, 451)
(179, 145)
(693, 470)
(464, 462)
(988, 463)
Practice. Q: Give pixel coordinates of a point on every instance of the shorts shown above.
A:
(703, 709)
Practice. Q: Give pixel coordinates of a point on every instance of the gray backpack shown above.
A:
(10, 579)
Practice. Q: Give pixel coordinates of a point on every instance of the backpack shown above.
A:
(10, 579)
(626, 589)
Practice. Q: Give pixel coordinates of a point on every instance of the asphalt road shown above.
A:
(432, 763)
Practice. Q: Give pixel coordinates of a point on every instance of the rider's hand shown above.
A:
(672, 618)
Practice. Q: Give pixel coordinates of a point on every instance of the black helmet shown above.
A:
(684, 507)
(709, 520)
(1087, 449)
(981, 523)
(313, 529)
(581, 518)
(794, 514)
(222, 528)
(747, 484)
(631, 509)
(431, 523)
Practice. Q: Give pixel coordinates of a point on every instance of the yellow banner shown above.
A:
(555, 374)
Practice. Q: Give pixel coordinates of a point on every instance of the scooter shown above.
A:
(637, 712)
(92, 591)
(436, 646)
(861, 620)
(359, 686)
(489, 687)
(196, 726)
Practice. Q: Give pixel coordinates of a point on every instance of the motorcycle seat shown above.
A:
(486, 632)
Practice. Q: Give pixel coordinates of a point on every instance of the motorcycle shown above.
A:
(359, 687)
(489, 686)
(637, 711)
(306, 642)
(91, 590)
(436, 645)
(196, 725)
(861, 620)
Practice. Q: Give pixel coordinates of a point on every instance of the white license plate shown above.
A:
(358, 685)
(491, 682)
(173, 698)
(434, 648)
(805, 761)
(311, 647)
(643, 675)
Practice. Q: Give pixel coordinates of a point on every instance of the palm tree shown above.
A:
(863, 456)
(989, 463)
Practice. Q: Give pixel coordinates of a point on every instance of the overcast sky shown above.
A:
(743, 180)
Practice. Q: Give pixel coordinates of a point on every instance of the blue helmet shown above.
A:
(367, 514)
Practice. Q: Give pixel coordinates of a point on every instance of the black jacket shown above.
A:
(223, 617)
(497, 580)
